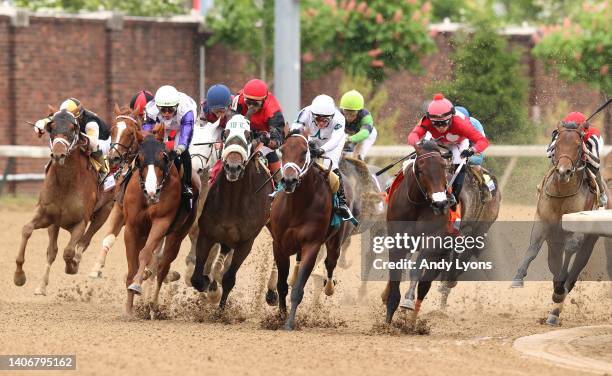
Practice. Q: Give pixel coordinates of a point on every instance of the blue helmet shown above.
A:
(218, 96)
(463, 110)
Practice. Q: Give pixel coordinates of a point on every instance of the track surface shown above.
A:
(341, 335)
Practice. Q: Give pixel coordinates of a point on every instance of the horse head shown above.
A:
(153, 163)
(237, 145)
(124, 132)
(430, 174)
(295, 159)
(63, 135)
(568, 150)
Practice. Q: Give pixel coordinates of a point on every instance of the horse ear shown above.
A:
(248, 135)
(117, 110)
(52, 109)
(158, 131)
(305, 132)
(286, 130)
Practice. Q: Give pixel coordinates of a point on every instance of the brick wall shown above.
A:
(102, 62)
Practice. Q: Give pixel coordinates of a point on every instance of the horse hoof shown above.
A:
(552, 320)
(72, 267)
(136, 288)
(272, 298)
(189, 273)
(517, 284)
(329, 288)
(407, 304)
(289, 326)
(95, 274)
(199, 283)
(214, 296)
(42, 291)
(172, 276)
(19, 279)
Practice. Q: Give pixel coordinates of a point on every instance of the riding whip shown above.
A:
(383, 170)
(599, 109)
(267, 180)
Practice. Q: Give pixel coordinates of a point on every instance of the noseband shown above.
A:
(580, 163)
(301, 171)
(127, 156)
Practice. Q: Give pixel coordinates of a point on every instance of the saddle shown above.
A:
(332, 178)
(487, 183)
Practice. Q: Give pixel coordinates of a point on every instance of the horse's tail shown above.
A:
(361, 168)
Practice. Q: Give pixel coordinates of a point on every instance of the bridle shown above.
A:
(165, 173)
(70, 145)
(416, 173)
(580, 163)
(301, 171)
(128, 155)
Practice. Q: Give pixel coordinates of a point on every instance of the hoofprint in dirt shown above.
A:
(83, 317)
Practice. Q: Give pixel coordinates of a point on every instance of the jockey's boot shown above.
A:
(186, 161)
(343, 210)
(101, 164)
(603, 198)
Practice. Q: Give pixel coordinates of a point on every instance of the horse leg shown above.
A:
(423, 288)
(199, 280)
(39, 221)
(408, 302)
(393, 286)
(309, 258)
(97, 221)
(156, 235)
(71, 258)
(229, 277)
(333, 253)
(194, 233)
(172, 245)
(133, 243)
(539, 232)
(282, 262)
(555, 262)
(216, 274)
(116, 223)
(342, 261)
(272, 294)
(582, 258)
(295, 269)
(53, 231)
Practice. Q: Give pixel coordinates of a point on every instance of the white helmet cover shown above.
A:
(167, 96)
(323, 105)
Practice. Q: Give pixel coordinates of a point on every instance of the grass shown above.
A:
(17, 201)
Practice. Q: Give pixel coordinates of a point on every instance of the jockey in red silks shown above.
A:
(594, 143)
(452, 130)
(262, 109)
(139, 101)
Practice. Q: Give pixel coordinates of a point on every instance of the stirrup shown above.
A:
(187, 192)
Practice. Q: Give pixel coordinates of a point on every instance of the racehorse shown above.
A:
(300, 222)
(69, 198)
(236, 209)
(153, 210)
(565, 189)
(124, 147)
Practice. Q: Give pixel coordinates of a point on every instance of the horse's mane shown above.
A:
(294, 132)
(570, 125)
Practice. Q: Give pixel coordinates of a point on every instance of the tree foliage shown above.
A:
(488, 80)
(129, 7)
(363, 37)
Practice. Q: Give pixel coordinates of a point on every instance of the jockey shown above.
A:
(261, 108)
(217, 105)
(90, 124)
(139, 101)
(359, 122)
(594, 144)
(475, 159)
(326, 128)
(450, 129)
(177, 111)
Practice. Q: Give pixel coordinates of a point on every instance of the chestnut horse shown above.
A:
(153, 210)
(300, 222)
(235, 211)
(124, 147)
(565, 189)
(70, 198)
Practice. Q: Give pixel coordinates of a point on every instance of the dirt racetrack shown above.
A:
(339, 336)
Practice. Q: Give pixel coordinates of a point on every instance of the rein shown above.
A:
(416, 178)
(301, 171)
(577, 165)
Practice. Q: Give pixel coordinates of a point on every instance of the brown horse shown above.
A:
(236, 209)
(69, 198)
(565, 189)
(419, 205)
(300, 222)
(153, 210)
(124, 147)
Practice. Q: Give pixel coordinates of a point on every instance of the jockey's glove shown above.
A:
(468, 153)
(39, 126)
(181, 149)
(264, 138)
(317, 152)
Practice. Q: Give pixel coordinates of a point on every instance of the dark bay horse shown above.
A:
(153, 210)
(69, 198)
(565, 189)
(234, 212)
(300, 222)
(419, 205)
(124, 147)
